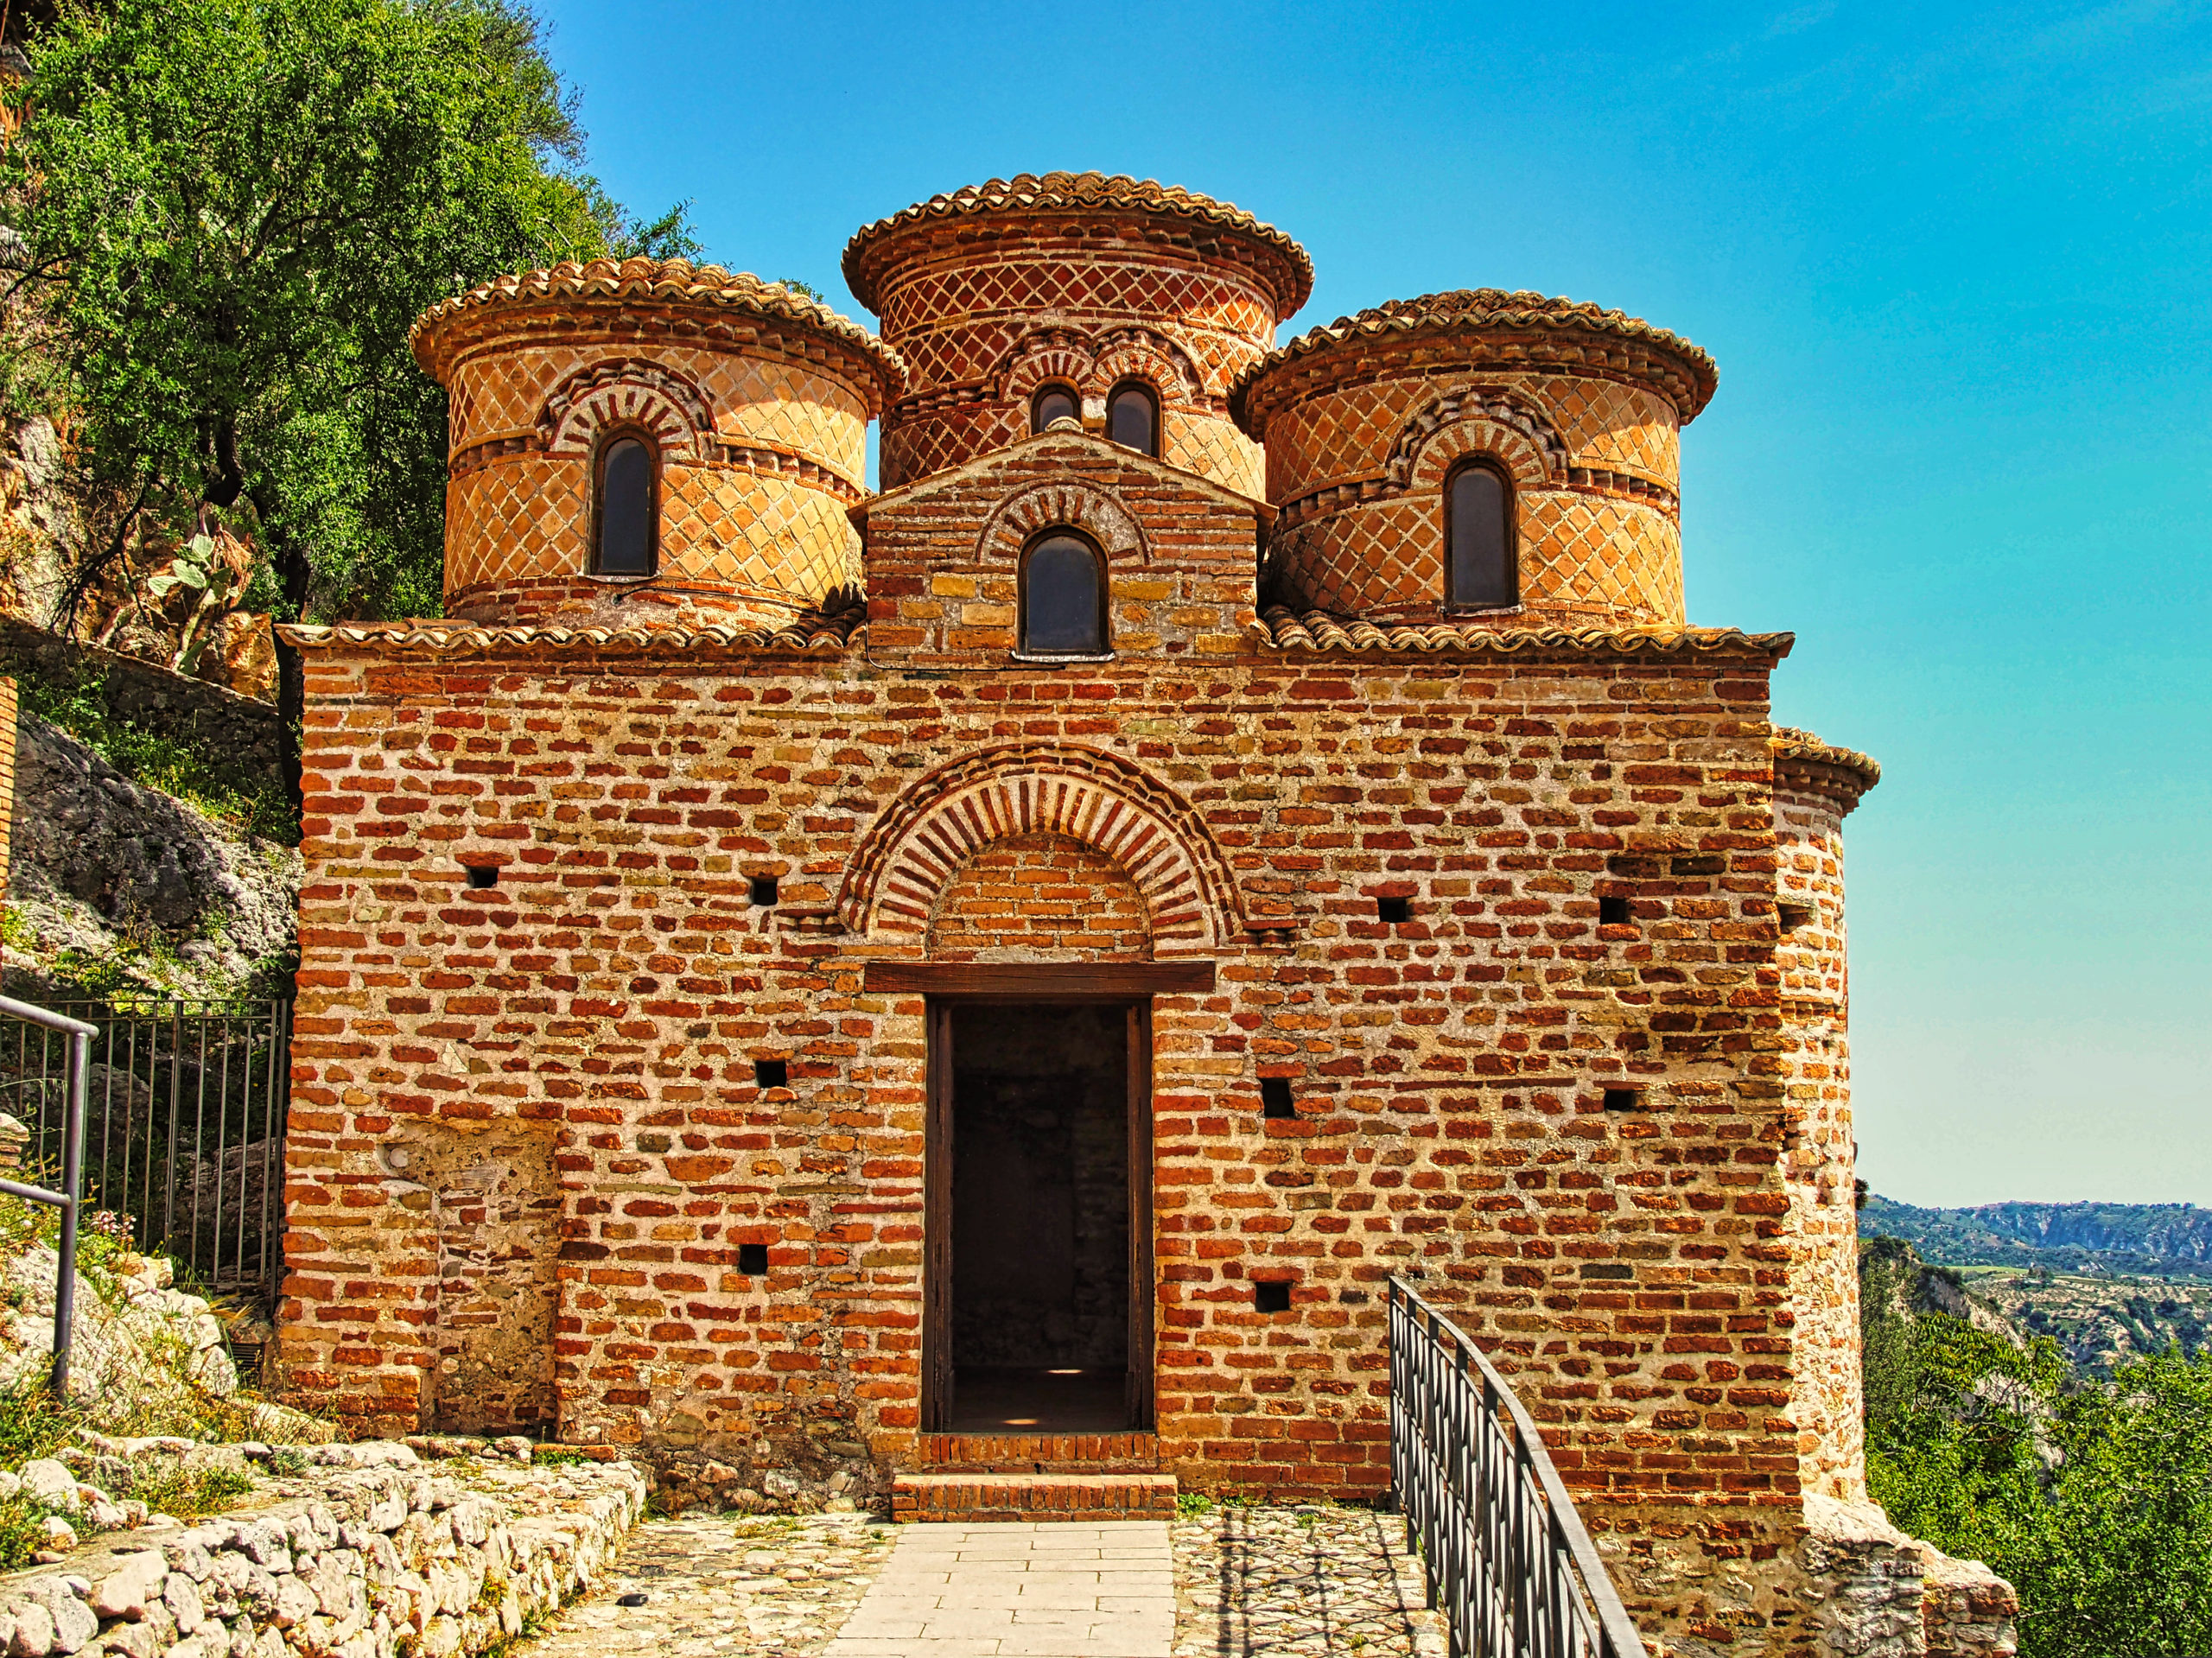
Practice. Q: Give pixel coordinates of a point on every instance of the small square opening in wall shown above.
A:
(762, 892)
(1792, 916)
(1275, 1098)
(1623, 1099)
(753, 1259)
(772, 1073)
(1391, 912)
(481, 875)
(1612, 912)
(1273, 1296)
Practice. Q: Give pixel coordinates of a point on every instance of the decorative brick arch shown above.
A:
(1086, 794)
(1477, 419)
(1151, 356)
(1094, 365)
(1081, 507)
(625, 392)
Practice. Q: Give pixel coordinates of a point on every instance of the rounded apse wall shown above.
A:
(1575, 411)
(1002, 294)
(629, 441)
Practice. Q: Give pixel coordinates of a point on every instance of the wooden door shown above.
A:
(1143, 1294)
(937, 1226)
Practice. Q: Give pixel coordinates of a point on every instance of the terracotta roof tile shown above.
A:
(1480, 310)
(1801, 757)
(669, 280)
(1028, 193)
(1318, 631)
(809, 635)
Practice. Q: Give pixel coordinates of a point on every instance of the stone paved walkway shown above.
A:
(725, 1586)
(1235, 1583)
(1051, 1591)
(1310, 1579)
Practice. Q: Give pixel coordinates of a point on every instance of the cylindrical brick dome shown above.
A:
(1077, 282)
(725, 416)
(1577, 410)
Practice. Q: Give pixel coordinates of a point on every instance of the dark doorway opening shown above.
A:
(1043, 1111)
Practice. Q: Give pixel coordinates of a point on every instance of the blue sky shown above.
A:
(1953, 263)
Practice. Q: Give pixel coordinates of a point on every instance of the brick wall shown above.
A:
(614, 987)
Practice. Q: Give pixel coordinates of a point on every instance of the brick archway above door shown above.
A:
(1085, 794)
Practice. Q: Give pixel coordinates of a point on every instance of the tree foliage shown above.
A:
(228, 214)
(2094, 1500)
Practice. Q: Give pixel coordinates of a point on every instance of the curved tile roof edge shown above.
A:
(1052, 192)
(817, 634)
(1316, 631)
(1474, 310)
(678, 280)
(1791, 743)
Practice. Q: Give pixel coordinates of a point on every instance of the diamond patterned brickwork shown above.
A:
(1213, 447)
(977, 321)
(761, 455)
(1345, 433)
(772, 400)
(1583, 559)
(763, 535)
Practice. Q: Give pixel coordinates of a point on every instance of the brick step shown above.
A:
(974, 1499)
(1040, 1453)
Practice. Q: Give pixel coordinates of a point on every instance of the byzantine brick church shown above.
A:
(872, 991)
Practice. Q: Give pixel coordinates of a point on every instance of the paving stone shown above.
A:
(1253, 1581)
(727, 1585)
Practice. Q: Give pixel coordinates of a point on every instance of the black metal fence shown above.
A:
(1508, 1561)
(184, 1129)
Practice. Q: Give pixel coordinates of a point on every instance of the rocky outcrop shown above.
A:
(107, 869)
(141, 1344)
(365, 1553)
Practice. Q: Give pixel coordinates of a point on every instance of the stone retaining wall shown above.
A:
(247, 732)
(368, 1554)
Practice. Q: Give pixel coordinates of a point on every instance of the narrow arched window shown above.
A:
(1133, 417)
(1479, 539)
(625, 536)
(1053, 403)
(1063, 597)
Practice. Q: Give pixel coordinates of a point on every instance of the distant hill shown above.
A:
(2124, 1240)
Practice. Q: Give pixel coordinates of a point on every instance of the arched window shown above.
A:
(1133, 417)
(1063, 597)
(1479, 539)
(626, 531)
(1053, 403)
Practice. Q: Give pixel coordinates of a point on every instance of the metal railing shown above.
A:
(1507, 1559)
(75, 1039)
(182, 1137)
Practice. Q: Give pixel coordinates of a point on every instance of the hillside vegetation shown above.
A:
(2092, 1495)
(2127, 1240)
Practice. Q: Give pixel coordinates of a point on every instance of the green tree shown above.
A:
(229, 213)
(2095, 1501)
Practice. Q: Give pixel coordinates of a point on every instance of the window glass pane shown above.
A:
(1052, 404)
(1130, 420)
(1062, 608)
(1482, 546)
(626, 508)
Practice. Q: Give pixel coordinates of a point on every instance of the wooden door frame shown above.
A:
(1143, 1290)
